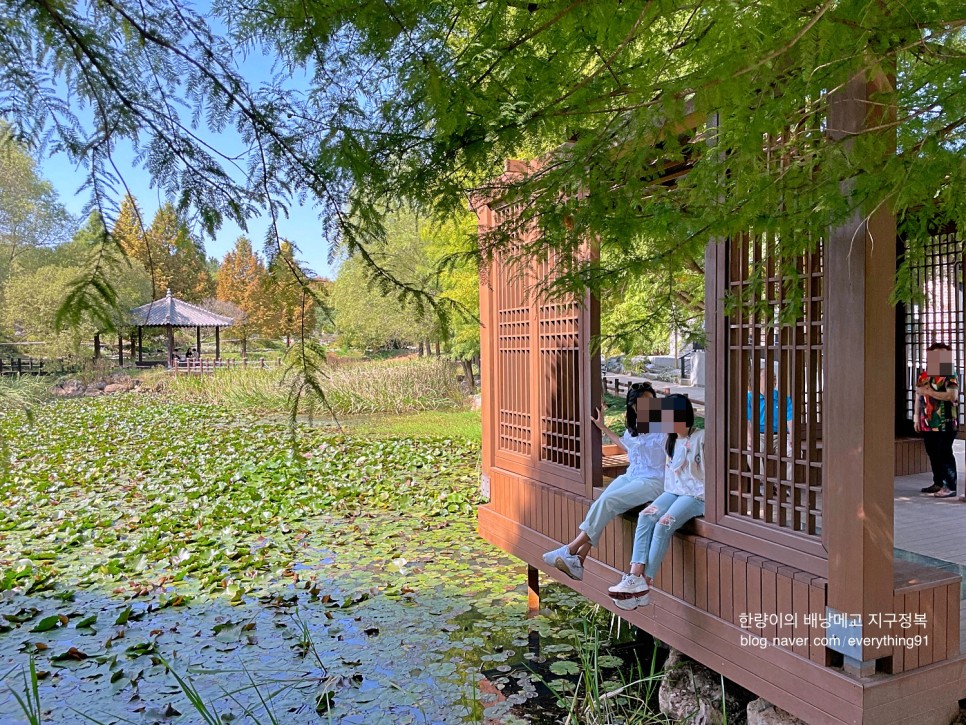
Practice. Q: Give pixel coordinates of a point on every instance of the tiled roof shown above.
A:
(175, 312)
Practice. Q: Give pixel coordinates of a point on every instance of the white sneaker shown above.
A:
(568, 563)
(631, 592)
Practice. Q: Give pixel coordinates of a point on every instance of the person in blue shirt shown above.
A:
(769, 444)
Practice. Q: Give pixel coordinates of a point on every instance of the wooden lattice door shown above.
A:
(540, 376)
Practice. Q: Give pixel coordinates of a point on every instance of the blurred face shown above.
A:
(661, 415)
(939, 362)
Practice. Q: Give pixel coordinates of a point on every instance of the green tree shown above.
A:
(425, 100)
(31, 216)
(292, 304)
(178, 260)
(243, 281)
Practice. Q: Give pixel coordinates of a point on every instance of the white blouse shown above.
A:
(645, 455)
(685, 469)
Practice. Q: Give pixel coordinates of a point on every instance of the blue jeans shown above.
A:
(622, 494)
(652, 537)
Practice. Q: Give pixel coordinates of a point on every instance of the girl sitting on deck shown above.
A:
(682, 500)
(641, 483)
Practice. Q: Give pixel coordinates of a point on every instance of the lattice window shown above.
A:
(559, 346)
(513, 352)
(775, 465)
(938, 315)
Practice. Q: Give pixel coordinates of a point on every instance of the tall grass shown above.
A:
(18, 392)
(372, 387)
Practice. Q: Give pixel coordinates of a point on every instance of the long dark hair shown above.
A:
(635, 391)
(688, 419)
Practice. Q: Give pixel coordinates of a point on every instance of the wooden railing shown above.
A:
(34, 366)
(209, 365)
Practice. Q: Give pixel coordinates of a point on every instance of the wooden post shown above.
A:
(533, 589)
(97, 345)
(198, 340)
(217, 343)
(133, 358)
(859, 399)
(170, 340)
(140, 347)
(120, 350)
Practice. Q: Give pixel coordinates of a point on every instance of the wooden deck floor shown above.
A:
(931, 530)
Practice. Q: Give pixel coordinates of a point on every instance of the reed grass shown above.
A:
(373, 387)
(22, 391)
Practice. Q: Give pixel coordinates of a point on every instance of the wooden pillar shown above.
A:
(97, 345)
(170, 340)
(120, 350)
(133, 358)
(217, 343)
(198, 341)
(859, 399)
(140, 346)
(533, 589)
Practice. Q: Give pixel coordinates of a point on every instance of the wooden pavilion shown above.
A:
(797, 549)
(169, 313)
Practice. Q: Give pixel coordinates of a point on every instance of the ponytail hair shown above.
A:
(680, 402)
(635, 391)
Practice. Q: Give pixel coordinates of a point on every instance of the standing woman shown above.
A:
(935, 416)
(641, 483)
(682, 500)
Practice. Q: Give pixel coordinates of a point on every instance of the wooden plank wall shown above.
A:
(763, 597)
(911, 456)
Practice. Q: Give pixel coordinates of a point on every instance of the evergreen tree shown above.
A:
(293, 306)
(179, 260)
(243, 281)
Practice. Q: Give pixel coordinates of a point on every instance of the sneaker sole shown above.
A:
(562, 565)
(633, 602)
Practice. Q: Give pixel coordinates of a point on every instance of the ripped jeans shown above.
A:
(655, 525)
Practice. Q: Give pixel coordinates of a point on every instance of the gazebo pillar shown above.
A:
(170, 339)
(120, 350)
(198, 340)
(859, 401)
(140, 347)
(217, 343)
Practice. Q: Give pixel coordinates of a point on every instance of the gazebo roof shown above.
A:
(177, 313)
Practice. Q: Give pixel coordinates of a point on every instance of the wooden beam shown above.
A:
(859, 397)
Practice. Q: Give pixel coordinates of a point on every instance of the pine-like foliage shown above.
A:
(423, 100)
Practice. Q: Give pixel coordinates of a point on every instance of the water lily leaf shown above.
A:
(47, 623)
(564, 667)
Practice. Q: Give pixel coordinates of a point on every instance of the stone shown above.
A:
(762, 712)
(68, 389)
(691, 693)
(93, 392)
(99, 385)
(476, 402)
(117, 388)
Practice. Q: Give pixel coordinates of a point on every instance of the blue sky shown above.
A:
(303, 227)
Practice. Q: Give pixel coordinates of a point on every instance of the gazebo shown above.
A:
(791, 584)
(169, 313)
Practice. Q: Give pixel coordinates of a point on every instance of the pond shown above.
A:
(177, 563)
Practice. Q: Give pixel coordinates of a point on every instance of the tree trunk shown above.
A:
(468, 374)
(420, 348)
(437, 348)
(244, 347)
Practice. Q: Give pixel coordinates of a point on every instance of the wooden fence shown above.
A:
(199, 366)
(34, 366)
